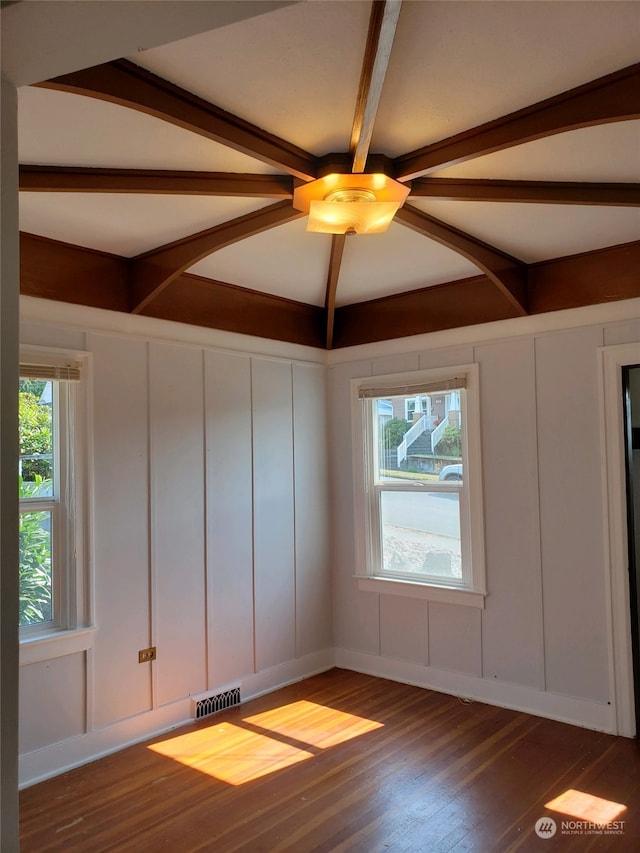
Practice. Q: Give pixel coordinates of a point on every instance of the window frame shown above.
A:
(471, 589)
(70, 507)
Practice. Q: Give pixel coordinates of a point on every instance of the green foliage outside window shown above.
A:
(451, 442)
(36, 439)
(393, 432)
(35, 558)
(35, 430)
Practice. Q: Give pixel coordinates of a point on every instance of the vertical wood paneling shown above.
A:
(178, 582)
(455, 638)
(273, 513)
(52, 701)
(511, 514)
(121, 528)
(314, 618)
(356, 614)
(404, 628)
(575, 627)
(229, 517)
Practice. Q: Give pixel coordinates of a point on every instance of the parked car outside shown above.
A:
(451, 472)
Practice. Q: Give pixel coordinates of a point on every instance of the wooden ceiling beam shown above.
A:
(217, 305)
(508, 274)
(73, 179)
(151, 272)
(124, 83)
(335, 262)
(51, 269)
(590, 278)
(536, 192)
(615, 97)
(382, 30)
(430, 309)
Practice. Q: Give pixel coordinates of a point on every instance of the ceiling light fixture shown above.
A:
(350, 204)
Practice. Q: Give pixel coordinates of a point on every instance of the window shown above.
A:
(51, 447)
(419, 524)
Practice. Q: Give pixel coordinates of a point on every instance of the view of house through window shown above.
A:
(418, 483)
(418, 477)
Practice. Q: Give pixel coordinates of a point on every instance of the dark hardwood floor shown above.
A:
(346, 762)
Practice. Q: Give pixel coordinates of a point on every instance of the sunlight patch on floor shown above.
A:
(263, 743)
(313, 724)
(585, 806)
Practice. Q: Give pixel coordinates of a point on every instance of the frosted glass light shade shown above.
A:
(342, 217)
(336, 203)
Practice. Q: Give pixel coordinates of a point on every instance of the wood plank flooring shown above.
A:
(346, 762)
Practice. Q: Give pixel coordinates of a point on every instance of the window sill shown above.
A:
(442, 594)
(56, 644)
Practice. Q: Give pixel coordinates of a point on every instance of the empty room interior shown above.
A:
(326, 323)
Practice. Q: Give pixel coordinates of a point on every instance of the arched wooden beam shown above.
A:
(124, 83)
(535, 192)
(507, 273)
(615, 97)
(75, 179)
(335, 261)
(152, 272)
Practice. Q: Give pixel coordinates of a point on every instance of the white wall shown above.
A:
(223, 527)
(210, 531)
(542, 643)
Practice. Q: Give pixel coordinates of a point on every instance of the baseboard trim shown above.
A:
(52, 760)
(553, 706)
(283, 674)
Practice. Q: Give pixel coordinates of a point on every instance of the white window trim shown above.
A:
(75, 629)
(473, 592)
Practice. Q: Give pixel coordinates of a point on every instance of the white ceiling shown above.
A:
(282, 261)
(607, 152)
(60, 129)
(294, 71)
(125, 224)
(297, 76)
(458, 64)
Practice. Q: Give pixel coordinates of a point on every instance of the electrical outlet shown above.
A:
(147, 654)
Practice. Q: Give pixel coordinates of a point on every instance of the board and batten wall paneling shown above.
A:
(229, 517)
(177, 520)
(455, 641)
(404, 628)
(511, 514)
(356, 613)
(52, 701)
(273, 513)
(571, 520)
(122, 687)
(403, 622)
(314, 619)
